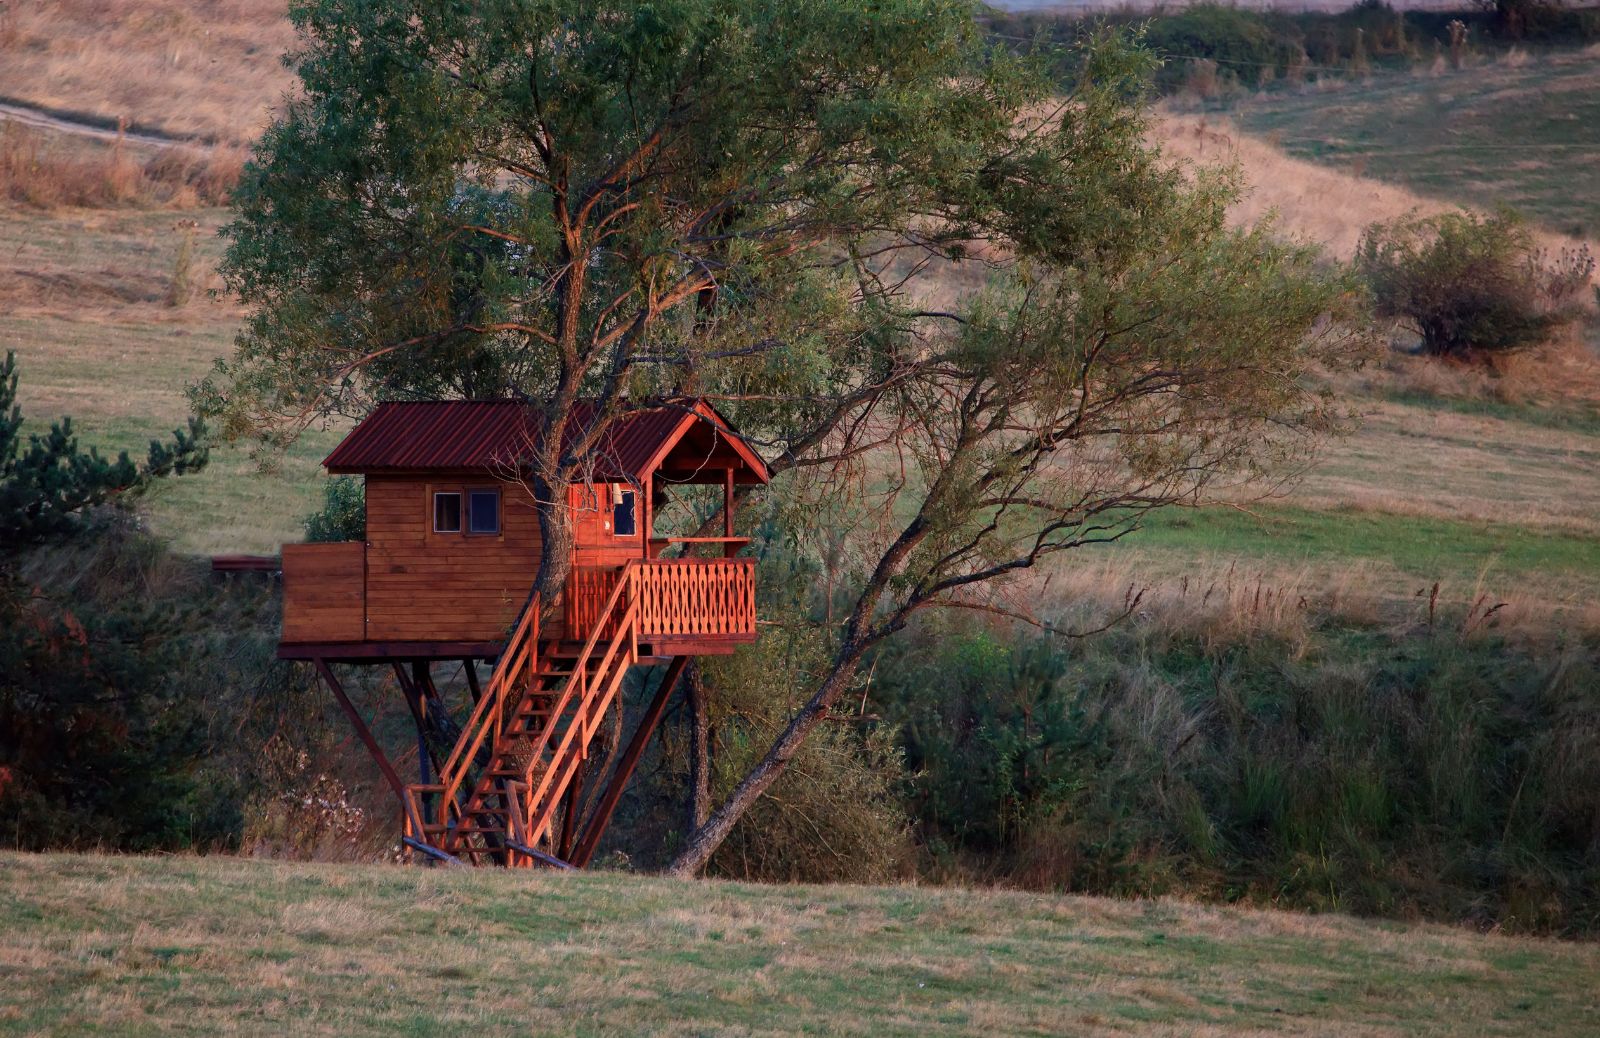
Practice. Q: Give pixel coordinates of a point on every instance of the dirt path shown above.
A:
(44, 120)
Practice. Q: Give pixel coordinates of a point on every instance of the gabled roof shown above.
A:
(489, 435)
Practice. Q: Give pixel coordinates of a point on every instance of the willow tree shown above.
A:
(776, 204)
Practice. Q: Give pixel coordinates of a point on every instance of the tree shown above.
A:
(1472, 284)
(46, 488)
(97, 743)
(775, 205)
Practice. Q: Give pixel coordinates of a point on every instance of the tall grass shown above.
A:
(1265, 741)
(47, 172)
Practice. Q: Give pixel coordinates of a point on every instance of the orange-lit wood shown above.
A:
(508, 793)
(323, 598)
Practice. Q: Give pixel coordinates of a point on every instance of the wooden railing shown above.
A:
(699, 597)
(676, 597)
(513, 675)
(553, 759)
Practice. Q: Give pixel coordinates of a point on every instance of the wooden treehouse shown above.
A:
(445, 576)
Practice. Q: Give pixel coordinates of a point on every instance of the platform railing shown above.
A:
(705, 598)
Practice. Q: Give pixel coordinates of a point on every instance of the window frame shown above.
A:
(464, 492)
(499, 512)
(434, 494)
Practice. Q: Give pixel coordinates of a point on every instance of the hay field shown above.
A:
(224, 946)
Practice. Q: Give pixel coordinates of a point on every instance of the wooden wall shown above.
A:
(322, 585)
(425, 586)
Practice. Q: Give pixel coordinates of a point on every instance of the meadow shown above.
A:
(1459, 516)
(1517, 130)
(227, 946)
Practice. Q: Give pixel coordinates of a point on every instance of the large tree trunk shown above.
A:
(699, 748)
(709, 836)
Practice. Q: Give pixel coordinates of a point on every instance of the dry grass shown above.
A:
(223, 946)
(1224, 602)
(192, 68)
(48, 171)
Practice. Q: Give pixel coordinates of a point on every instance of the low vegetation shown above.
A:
(1471, 285)
(48, 171)
(222, 946)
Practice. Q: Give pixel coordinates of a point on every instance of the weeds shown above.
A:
(50, 173)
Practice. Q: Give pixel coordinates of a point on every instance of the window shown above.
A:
(483, 511)
(447, 512)
(622, 518)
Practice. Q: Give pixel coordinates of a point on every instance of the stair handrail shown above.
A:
(579, 683)
(489, 712)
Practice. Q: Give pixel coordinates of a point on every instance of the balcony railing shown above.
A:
(678, 598)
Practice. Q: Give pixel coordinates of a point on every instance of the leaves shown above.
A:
(46, 485)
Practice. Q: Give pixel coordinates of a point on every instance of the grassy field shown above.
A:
(1520, 131)
(85, 294)
(1452, 475)
(228, 946)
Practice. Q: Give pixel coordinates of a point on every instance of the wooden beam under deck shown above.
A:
(384, 652)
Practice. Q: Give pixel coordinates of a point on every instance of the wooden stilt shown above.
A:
(363, 732)
(595, 827)
(419, 718)
(470, 667)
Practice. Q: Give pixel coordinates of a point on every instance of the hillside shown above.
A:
(227, 946)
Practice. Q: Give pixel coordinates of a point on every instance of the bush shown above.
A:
(1428, 773)
(1469, 284)
(344, 512)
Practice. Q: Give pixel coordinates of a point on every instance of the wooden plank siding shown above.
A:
(427, 586)
(322, 592)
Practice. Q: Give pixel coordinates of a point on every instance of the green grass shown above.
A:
(95, 339)
(1585, 420)
(1418, 548)
(227, 946)
(1493, 134)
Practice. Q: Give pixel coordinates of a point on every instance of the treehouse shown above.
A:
(445, 575)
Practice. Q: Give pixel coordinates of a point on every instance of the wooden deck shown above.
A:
(689, 606)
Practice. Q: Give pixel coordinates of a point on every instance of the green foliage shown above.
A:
(135, 693)
(343, 516)
(1467, 283)
(46, 487)
(1253, 49)
(1242, 43)
(1376, 772)
(836, 813)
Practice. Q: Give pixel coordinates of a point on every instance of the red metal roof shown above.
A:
(493, 434)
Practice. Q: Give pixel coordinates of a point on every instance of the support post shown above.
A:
(728, 549)
(470, 667)
(569, 817)
(363, 732)
(419, 717)
(596, 824)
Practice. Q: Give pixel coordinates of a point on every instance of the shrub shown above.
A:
(1469, 284)
(343, 516)
(1422, 773)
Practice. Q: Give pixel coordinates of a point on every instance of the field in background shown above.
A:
(224, 946)
(1522, 131)
(188, 68)
(87, 299)
(1469, 479)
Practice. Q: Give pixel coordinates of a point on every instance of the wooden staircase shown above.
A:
(500, 791)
